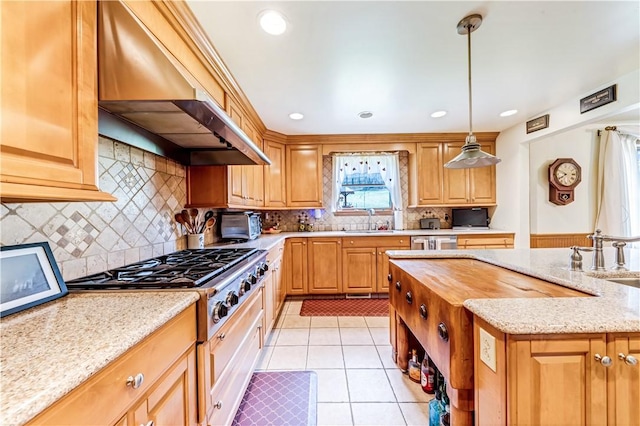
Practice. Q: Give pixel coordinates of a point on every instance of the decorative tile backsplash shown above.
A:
(91, 237)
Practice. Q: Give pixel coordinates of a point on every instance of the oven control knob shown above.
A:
(246, 285)
(409, 297)
(232, 298)
(442, 332)
(219, 311)
(262, 269)
(252, 279)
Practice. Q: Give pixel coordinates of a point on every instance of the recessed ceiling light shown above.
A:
(508, 113)
(272, 22)
(438, 114)
(296, 116)
(365, 114)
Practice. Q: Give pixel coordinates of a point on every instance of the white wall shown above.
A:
(519, 186)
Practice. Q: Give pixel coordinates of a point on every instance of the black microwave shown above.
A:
(477, 218)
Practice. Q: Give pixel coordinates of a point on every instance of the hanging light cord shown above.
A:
(469, 26)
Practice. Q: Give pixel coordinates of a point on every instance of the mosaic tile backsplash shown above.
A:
(87, 238)
(91, 237)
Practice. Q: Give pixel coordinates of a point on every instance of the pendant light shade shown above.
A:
(471, 155)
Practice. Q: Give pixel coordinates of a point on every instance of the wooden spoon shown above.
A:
(208, 215)
(180, 220)
(210, 222)
(194, 218)
(187, 219)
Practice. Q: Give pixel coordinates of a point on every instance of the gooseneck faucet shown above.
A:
(371, 212)
(619, 243)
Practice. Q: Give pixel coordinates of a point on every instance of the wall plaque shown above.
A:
(598, 99)
(538, 123)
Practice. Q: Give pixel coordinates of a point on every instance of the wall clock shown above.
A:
(564, 176)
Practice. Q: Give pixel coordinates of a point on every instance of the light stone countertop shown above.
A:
(49, 350)
(613, 308)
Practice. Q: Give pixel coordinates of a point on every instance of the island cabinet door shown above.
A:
(557, 381)
(624, 380)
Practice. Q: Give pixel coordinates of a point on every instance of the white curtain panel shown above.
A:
(387, 164)
(618, 185)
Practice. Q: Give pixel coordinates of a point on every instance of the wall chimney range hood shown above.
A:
(141, 82)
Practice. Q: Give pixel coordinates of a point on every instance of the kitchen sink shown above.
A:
(370, 231)
(630, 281)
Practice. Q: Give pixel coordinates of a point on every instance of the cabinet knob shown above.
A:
(373, 253)
(402, 241)
(628, 359)
(398, 285)
(423, 311)
(351, 242)
(221, 336)
(149, 423)
(443, 332)
(409, 297)
(218, 405)
(380, 252)
(604, 360)
(135, 381)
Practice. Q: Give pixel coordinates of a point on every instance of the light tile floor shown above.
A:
(358, 383)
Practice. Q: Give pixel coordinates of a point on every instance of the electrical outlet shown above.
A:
(488, 349)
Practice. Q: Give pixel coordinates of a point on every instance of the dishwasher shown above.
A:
(434, 242)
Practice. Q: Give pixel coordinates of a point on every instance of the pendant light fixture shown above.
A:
(471, 155)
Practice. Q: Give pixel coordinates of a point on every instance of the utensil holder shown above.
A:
(195, 241)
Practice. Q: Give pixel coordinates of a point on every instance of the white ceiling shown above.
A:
(405, 60)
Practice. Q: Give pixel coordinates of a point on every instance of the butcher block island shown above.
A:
(518, 337)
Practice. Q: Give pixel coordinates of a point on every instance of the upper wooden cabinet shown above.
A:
(430, 173)
(304, 175)
(49, 120)
(468, 186)
(274, 175)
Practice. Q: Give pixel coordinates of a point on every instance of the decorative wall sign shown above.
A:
(29, 276)
(598, 99)
(538, 123)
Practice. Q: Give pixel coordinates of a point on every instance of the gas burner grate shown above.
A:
(183, 269)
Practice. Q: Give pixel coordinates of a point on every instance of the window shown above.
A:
(362, 181)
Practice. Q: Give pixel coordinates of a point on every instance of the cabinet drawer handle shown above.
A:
(628, 359)
(218, 405)
(135, 382)
(409, 297)
(604, 360)
(423, 311)
(398, 285)
(443, 332)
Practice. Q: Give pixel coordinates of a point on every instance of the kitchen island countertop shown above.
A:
(612, 308)
(49, 350)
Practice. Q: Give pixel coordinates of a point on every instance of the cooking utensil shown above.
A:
(187, 220)
(180, 219)
(210, 222)
(208, 215)
(194, 218)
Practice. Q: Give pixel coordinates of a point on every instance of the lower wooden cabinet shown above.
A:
(556, 379)
(166, 363)
(295, 265)
(274, 291)
(486, 241)
(324, 263)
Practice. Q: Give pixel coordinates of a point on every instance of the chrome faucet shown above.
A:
(371, 212)
(618, 243)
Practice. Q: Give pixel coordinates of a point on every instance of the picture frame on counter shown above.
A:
(598, 99)
(538, 123)
(29, 276)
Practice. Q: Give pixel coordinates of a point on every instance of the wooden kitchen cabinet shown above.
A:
(275, 188)
(485, 241)
(324, 262)
(49, 121)
(295, 266)
(304, 175)
(556, 379)
(167, 394)
(274, 293)
(430, 173)
(475, 186)
(365, 265)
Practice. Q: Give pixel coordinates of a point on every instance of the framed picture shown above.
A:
(596, 100)
(538, 123)
(29, 276)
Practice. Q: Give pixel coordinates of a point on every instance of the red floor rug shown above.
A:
(345, 308)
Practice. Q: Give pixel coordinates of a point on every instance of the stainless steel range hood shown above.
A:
(142, 82)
